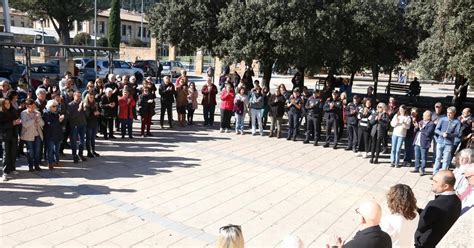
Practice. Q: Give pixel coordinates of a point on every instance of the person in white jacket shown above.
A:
(401, 123)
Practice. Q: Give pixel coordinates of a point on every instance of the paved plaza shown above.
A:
(177, 188)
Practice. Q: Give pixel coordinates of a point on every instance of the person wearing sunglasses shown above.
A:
(230, 236)
(370, 235)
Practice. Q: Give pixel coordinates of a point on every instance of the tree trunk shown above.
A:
(267, 72)
(301, 70)
(375, 76)
(389, 82)
(351, 82)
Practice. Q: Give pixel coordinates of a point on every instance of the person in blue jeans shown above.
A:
(53, 132)
(241, 103)
(32, 133)
(77, 123)
(424, 133)
(448, 129)
(401, 123)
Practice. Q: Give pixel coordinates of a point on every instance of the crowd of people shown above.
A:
(54, 117)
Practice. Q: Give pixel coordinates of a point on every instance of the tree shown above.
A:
(187, 24)
(62, 14)
(449, 47)
(102, 42)
(82, 39)
(114, 25)
(249, 36)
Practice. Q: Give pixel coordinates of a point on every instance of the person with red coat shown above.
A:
(227, 107)
(126, 105)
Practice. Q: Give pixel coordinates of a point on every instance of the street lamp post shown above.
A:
(42, 30)
(95, 38)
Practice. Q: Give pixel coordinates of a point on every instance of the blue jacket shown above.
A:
(426, 134)
(452, 128)
(52, 127)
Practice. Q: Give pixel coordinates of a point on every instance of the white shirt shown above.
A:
(461, 182)
(401, 230)
(400, 125)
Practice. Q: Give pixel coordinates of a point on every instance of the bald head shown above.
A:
(371, 212)
(443, 181)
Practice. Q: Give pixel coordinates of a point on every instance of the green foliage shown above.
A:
(449, 47)
(114, 25)
(65, 12)
(102, 42)
(82, 39)
(188, 24)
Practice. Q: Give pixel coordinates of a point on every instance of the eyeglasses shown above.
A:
(468, 177)
(224, 228)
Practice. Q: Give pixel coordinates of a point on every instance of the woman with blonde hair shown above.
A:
(230, 236)
(402, 222)
(401, 123)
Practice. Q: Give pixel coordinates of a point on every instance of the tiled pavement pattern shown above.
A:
(177, 188)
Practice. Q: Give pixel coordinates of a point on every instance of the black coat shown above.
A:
(436, 220)
(277, 108)
(371, 237)
(144, 107)
(6, 125)
(380, 126)
(167, 93)
(107, 111)
(52, 127)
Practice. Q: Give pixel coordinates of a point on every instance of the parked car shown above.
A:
(149, 67)
(39, 71)
(172, 68)
(119, 67)
(81, 62)
(53, 61)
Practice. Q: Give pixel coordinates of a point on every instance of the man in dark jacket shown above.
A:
(209, 92)
(424, 132)
(167, 93)
(77, 123)
(314, 108)
(108, 105)
(439, 214)
(370, 234)
(352, 110)
(332, 112)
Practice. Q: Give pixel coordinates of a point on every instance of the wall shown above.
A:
(134, 53)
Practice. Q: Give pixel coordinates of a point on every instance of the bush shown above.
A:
(81, 39)
(103, 42)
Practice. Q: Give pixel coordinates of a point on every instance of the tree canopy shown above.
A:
(65, 12)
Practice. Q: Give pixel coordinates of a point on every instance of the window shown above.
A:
(124, 64)
(13, 23)
(102, 27)
(79, 26)
(148, 35)
(144, 31)
(129, 30)
(139, 33)
(124, 30)
(23, 24)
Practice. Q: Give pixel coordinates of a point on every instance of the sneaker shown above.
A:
(15, 172)
(359, 154)
(227, 130)
(37, 168)
(414, 171)
(365, 155)
(4, 177)
(221, 130)
(241, 132)
(236, 132)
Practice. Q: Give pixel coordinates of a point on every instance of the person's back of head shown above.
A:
(443, 181)
(371, 213)
(230, 236)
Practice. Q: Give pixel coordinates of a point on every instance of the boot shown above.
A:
(95, 154)
(50, 166)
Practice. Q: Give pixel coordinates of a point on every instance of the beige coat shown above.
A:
(29, 125)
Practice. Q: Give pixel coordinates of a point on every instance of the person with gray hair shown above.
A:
(52, 137)
(108, 105)
(230, 236)
(464, 159)
(4, 88)
(40, 99)
(448, 129)
(424, 133)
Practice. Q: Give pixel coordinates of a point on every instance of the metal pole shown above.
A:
(6, 16)
(141, 25)
(95, 37)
